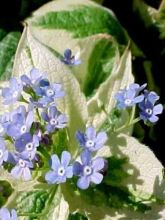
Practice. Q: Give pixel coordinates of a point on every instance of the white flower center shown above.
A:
(23, 129)
(1, 128)
(29, 146)
(87, 170)
(1, 153)
(50, 92)
(149, 111)
(53, 121)
(128, 101)
(61, 171)
(22, 163)
(33, 81)
(90, 143)
(15, 94)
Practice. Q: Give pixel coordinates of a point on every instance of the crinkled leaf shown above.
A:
(80, 19)
(73, 103)
(96, 64)
(142, 189)
(40, 204)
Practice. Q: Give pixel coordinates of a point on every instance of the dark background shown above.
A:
(147, 39)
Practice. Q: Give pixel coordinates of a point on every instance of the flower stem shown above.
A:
(127, 125)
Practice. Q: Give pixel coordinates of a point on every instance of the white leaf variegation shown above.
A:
(73, 103)
(120, 78)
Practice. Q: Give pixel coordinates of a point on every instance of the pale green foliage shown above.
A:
(39, 47)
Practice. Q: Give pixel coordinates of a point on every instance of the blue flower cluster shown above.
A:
(87, 168)
(146, 100)
(20, 140)
(23, 132)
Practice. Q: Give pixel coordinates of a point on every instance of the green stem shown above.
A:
(43, 152)
(38, 114)
(127, 126)
(22, 99)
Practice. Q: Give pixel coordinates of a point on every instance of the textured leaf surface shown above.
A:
(145, 177)
(81, 18)
(73, 103)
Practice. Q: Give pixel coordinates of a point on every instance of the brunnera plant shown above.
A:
(66, 150)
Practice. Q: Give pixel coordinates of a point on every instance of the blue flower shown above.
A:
(6, 215)
(130, 96)
(22, 167)
(27, 145)
(91, 140)
(69, 59)
(13, 93)
(88, 170)
(3, 152)
(53, 91)
(20, 123)
(33, 79)
(54, 119)
(60, 170)
(149, 110)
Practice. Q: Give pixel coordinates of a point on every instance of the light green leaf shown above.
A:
(80, 19)
(119, 79)
(32, 53)
(40, 204)
(144, 180)
(8, 45)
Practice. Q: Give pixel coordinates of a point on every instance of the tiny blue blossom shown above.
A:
(88, 170)
(149, 110)
(130, 96)
(33, 78)
(3, 152)
(60, 170)
(53, 91)
(69, 59)
(91, 140)
(22, 167)
(6, 215)
(20, 123)
(27, 145)
(54, 119)
(12, 93)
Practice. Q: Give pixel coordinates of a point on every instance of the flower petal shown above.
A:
(100, 140)
(65, 158)
(77, 168)
(138, 99)
(26, 174)
(85, 157)
(16, 172)
(158, 109)
(69, 172)
(83, 182)
(96, 178)
(51, 177)
(55, 162)
(153, 119)
(90, 133)
(98, 164)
